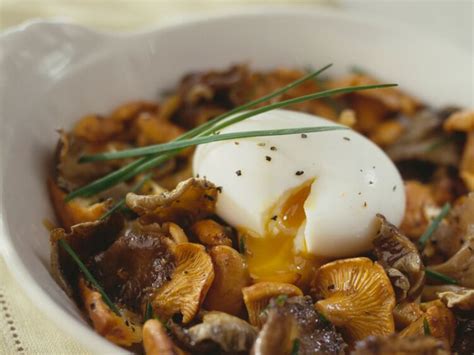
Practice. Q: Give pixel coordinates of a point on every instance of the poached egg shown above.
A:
(300, 198)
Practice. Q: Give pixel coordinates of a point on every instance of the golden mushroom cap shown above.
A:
(357, 296)
(257, 297)
(190, 281)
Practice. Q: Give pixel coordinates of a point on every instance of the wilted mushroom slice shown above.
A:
(231, 276)
(211, 233)
(461, 265)
(70, 173)
(396, 345)
(437, 319)
(279, 335)
(419, 138)
(451, 234)
(357, 296)
(315, 335)
(77, 211)
(190, 281)
(453, 296)
(229, 333)
(86, 239)
(135, 265)
(257, 297)
(400, 259)
(122, 330)
(192, 199)
(156, 340)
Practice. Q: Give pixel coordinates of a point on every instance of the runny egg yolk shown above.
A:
(272, 257)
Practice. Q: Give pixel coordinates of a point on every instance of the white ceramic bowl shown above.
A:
(52, 73)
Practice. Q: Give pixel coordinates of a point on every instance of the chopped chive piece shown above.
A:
(440, 143)
(148, 312)
(119, 205)
(281, 299)
(88, 275)
(440, 277)
(433, 226)
(166, 147)
(426, 327)
(323, 318)
(296, 347)
(242, 248)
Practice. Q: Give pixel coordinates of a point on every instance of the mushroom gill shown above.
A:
(190, 281)
(357, 296)
(257, 297)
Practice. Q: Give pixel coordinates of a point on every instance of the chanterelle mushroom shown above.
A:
(400, 259)
(439, 320)
(192, 199)
(156, 340)
(257, 297)
(357, 296)
(231, 275)
(122, 330)
(315, 335)
(452, 295)
(189, 283)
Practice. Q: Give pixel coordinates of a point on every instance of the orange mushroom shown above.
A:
(122, 330)
(231, 275)
(190, 281)
(437, 319)
(156, 340)
(257, 297)
(357, 296)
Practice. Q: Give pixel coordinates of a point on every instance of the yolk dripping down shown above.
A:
(272, 257)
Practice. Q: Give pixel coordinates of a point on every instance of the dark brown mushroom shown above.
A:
(400, 259)
(135, 265)
(396, 345)
(86, 239)
(296, 318)
(216, 333)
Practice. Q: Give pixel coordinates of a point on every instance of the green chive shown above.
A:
(440, 277)
(166, 147)
(242, 248)
(121, 203)
(426, 327)
(148, 312)
(88, 275)
(440, 143)
(296, 347)
(433, 226)
(281, 299)
(323, 318)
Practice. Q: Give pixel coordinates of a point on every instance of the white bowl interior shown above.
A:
(54, 73)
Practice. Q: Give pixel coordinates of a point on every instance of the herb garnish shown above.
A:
(426, 327)
(65, 245)
(296, 347)
(433, 226)
(440, 277)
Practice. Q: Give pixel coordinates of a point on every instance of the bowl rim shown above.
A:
(67, 322)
